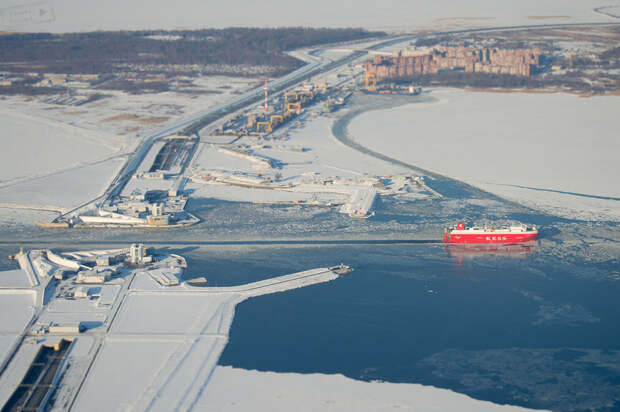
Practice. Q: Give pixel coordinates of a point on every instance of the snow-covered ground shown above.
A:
(61, 191)
(37, 145)
(128, 115)
(301, 162)
(553, 152)
(309, 146)
(53, 165)
(59, 157)
(17, 309)
(72, 15)
(232, 389)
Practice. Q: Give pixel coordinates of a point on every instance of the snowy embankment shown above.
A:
(360, 203)
(552, 152)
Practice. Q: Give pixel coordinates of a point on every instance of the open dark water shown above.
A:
(412, 313)
(536, 327)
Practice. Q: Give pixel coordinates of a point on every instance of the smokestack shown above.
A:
(266, 95)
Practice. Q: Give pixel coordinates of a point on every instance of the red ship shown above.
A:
(489, 234)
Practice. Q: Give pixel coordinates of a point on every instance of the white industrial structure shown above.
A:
(137, 254)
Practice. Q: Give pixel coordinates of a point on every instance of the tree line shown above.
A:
(108, 52)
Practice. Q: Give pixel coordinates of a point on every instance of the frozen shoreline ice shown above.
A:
(239, 389)
(443, 14)
(524, 147)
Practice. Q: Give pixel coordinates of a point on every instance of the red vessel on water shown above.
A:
(489, 234)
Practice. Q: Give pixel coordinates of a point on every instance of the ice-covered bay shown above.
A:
(555, 152)
(72, 15)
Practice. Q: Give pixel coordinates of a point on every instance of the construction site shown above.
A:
(275, 111)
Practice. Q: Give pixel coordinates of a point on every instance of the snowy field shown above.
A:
(553, 152)
(312, 149)
(302, 157)
(309, 147)
(72, 15)
(232, 389)
(37, 145)
(130, 115)
(50, 164)
(59, 157)
(16, 310)
(61, 191)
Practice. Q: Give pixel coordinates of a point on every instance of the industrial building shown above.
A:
(138, 255)
(94, 276)
(282, 110)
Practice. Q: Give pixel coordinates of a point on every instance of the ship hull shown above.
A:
(490, 237)
(464, 251)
